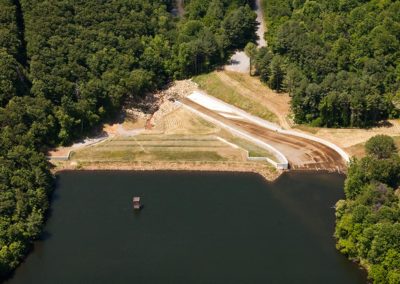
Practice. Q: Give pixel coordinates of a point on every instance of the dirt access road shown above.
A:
(261, 28)
(349, 139)
(178, 9)
(302, 154)
(179, 4)
(240, 62)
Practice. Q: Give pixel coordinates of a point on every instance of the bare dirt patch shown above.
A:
(252, 88)
(260, 168)
(233, 93)
(178, 140)
(261, 28)
(183, 122)
(302, 153)
(358, 150)
(239, 62)
(351, 140)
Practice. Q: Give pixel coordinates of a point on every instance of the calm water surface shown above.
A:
(194, 228)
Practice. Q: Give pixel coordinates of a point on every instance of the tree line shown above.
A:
(25, 179)
(67, 65)
(211, 31)
(86, 57)
(338, 59)
(367, 222)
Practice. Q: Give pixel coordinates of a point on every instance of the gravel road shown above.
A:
(240, 62)
(261, 28)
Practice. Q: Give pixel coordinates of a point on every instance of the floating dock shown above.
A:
(136, 203)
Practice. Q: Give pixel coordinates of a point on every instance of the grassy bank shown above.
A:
(359, 149)
(214, 86)
(179, 141)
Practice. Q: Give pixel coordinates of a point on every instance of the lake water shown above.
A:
(194, 228)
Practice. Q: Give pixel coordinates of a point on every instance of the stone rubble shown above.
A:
(156, 105)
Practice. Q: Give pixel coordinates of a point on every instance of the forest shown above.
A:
(338, 59)
(368, 228)
(68, 65)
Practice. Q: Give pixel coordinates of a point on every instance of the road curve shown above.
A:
(302, 154)
(239, 61)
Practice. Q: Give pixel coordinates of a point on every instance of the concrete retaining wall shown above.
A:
(60, 158)
(282, 164)
(339, 150)
(273, 126)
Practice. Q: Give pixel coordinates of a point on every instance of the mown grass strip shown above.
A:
(217, 88)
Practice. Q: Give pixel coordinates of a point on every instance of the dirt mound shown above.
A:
(180, 89)
(154, 106)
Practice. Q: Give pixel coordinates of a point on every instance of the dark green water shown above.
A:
(194, 228)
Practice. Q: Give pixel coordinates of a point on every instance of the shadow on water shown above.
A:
(46, 235)
(196, 227)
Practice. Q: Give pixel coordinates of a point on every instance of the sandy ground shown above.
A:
(251, 87)
(302, 153)
(64, 152)
(261, 28)
(347, 138)
(239, 62)
(171, 127)
(109, 131)
(279, 104)
(261, 168)
(136, 121)
(275, 157)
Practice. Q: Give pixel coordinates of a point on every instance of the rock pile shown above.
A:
(154, 106)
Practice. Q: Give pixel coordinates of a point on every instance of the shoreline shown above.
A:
(266, 171)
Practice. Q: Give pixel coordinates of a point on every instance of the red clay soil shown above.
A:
(148, 125)
(302, 154)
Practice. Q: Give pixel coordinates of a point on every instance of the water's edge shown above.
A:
(176, 184)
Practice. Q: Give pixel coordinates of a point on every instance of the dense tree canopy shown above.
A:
(25, 122)
(86, 57)
(368, 228)
(339, 60)
(65, 65)
(211, 31)
(381, 147)
(11, 73)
